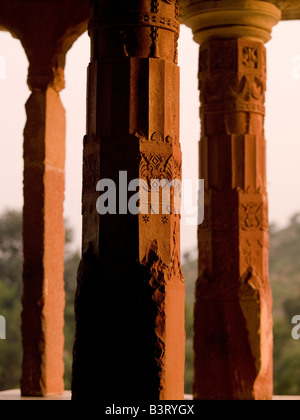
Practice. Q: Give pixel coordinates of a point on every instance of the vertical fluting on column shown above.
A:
(232, 293)
(129, 303)
(233, 323)
(43, 238)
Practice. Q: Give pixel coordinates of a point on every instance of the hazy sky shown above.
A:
(282, 122)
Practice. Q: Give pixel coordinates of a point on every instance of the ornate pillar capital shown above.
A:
(40, 77)
(251, 19)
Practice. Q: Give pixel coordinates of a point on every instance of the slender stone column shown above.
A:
(47, 30)
(233, 323)
(129, 305)
(43, 237)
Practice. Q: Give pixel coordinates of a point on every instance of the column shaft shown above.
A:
(43, 242)
(130, 285)
(233, 323)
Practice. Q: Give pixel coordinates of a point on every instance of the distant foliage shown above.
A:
(285, 283)
(10, 298)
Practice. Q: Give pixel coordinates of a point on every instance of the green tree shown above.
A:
(11, 263)
(285, 283)
(10, 297)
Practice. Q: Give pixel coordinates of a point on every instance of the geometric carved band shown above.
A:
(237, 106)
(232, 76)
(137, 19)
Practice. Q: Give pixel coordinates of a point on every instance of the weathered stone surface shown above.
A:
(130, 297)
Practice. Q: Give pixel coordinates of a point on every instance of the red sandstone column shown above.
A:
(233, 322)
(46, 30)
(129, 305)
(43, 238)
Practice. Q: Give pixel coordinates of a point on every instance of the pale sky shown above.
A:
(282, 123)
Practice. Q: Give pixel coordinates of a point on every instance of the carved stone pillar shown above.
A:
(43, 238)
(233, 323)
(130, 299)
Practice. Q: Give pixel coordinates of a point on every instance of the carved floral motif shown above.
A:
(154, 6)
(232, 77)
(250, 57)
(159, 166)
(251, 216)
(157, 136)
